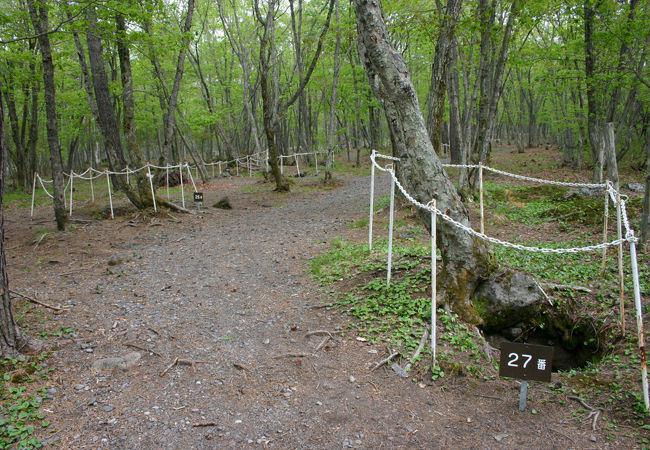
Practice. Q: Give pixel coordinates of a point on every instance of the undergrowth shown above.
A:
(20, 400)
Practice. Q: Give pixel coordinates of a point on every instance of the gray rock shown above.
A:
(506, 299)
(122, 363)
(107, 408)
(114, 260)
(223, 203)
(636, 187)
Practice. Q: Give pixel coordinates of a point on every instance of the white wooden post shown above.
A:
(372, 201)
(33, 194)
(167, 168)
(480, 188)
(92, 188)
(180, 170)
(434, 276)
(390, 222)
(639, 324)
(110, 197)
(605, 224)
(153, 193)
(621, 276)
(71, 188)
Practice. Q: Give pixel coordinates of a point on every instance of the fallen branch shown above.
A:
(291, 355)
(568, 286)
(205, 424)
(384, 361)
(38, 302)
(144, 349)
(39, 241)
(162, 374)
(423, 341)
(595, 413)
(322, 333)
(322, 344)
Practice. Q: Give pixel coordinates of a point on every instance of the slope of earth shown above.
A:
(229, 328)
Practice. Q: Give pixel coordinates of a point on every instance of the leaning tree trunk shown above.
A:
(466, 258)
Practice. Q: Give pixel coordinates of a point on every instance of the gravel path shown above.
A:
(229, 291)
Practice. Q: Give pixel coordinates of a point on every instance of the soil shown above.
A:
(226, 294)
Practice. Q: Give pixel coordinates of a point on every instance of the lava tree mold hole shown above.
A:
(577, 340)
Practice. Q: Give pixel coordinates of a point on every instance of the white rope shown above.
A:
(495, 240)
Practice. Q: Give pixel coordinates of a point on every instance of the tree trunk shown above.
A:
(12, 340)
(39, 20)
(645, 215)
(593, 106)
(128, 120)
(106, 113)
(274, 112)
(332, 112)
(466, 259)
(437, 89)
(456, 144)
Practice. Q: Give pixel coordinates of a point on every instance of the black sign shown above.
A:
(198, 197)
(526, 361)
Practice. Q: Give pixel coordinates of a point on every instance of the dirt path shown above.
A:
(229, 290)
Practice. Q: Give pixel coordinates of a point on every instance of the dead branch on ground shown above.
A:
(38, 302)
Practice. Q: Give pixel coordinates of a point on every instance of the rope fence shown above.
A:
(255, 162)
(611, 194)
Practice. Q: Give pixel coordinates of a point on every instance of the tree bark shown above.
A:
(40, 23)
(465, 258)
(170, 118)
(332, 111)
(13, 340)
(645, 214)
(437, 89)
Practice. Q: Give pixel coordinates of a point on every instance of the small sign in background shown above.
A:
(198, 197)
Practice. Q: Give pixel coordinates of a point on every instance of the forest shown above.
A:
(447, 92)
(87, 83)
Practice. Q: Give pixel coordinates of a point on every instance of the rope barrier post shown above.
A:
(167, 175)
(191, 178)
(237, 165)
(153, 193)
(71, 188)
(212, 165)
(92, 188)
(180, 170)
(110, 198)
(605, 225)
(434, 280)
(621, 276)
(297, 165)
(480, 188)
(372, 200)
(639, 323)
(219, 168)
(266, 162)
(281, 166)
(250, 170)
(33, 194)
(127, 175)
(389, 167)
(316, 159)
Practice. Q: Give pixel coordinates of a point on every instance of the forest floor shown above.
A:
(238, 345)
